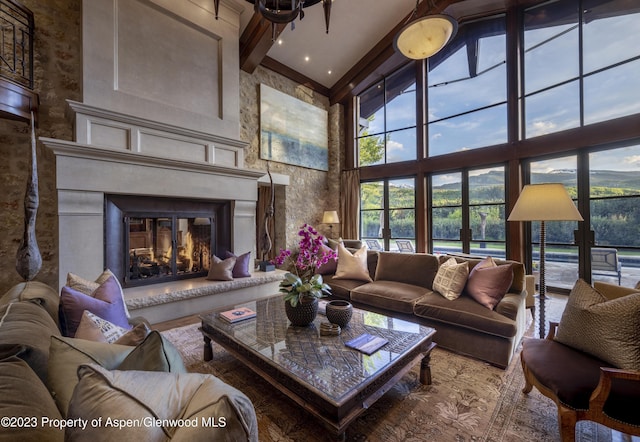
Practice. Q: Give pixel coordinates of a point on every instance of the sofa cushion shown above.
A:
(464, 312)
(27, 324)
(342, 288)
(451, 278)
(606, 329)
(411, 268)
(352, 265)
(155, 353)
(488, 282)
(221, 270)
(106, 301)
(573, 376)
(89, 287)
(241, 269)
(390, 295)
(124, 395)
(23, 394)
(67, 354)
(36, 292)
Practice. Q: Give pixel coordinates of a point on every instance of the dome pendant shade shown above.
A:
(425, 36)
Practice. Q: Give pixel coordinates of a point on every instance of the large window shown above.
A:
(388, 203)
(387, 120)
(581, 60)
(468, 212)
(467, 90)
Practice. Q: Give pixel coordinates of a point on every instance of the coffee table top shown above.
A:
(323, 363)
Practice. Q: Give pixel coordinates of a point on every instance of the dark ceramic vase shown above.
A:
(303, 314)
(339, 312)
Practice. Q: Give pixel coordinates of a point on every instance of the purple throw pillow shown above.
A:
(330, 267)
(241, 268)
(488, 283)
(105, 302)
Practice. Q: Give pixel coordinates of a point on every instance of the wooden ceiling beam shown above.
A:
(256, 40)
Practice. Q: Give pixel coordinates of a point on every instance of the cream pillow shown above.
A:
(451, 278)
(606, 329)
(94, 328)
(352, 265)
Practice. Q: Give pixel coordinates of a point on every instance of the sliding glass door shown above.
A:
(605, 184)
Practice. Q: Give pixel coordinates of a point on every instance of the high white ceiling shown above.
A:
(356, 26)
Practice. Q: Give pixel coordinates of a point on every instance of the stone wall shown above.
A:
(310, 192)
(58, 77)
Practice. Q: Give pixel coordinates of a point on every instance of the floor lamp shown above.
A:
(544, 202)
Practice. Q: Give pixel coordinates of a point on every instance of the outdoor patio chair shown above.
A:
(604, 262)
(405, 246)
(373, 244)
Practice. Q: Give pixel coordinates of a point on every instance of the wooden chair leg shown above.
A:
(567, 422)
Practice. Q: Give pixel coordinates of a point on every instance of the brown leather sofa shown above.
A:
(402, 287)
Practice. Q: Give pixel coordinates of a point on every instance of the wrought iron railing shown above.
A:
(16, 43)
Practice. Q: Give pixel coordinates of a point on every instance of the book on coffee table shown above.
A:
(238, 314)
(366, 343)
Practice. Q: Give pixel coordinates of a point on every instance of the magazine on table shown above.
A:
(238, 314)
(366, 343)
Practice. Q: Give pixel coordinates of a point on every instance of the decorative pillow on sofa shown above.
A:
(241, 267)
(25, 395)
(489, 282)
(606, 329)
(451, 278)
(221, 270)
(89, 287)
(106, 301)
(127, 395)
(352, 266)
(155, 353)
(94, 328)
(330, 267)
(67, 354)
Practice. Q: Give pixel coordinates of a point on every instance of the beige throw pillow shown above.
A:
(352, 265)
(606, 329)
(220, 270)
(451, 278)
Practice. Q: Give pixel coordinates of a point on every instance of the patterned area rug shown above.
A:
(468, 401)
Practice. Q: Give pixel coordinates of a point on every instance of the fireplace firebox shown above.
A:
(150, 240)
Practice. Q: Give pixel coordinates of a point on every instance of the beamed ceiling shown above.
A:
(358, 48)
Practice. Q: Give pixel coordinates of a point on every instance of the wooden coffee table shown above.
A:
(331, 381)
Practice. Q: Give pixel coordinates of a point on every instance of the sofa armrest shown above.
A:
(509, 305)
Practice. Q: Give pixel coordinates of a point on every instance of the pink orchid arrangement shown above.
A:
(312, 255)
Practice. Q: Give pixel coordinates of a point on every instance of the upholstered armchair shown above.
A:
(585, 380)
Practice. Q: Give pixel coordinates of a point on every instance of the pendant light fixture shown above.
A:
(285, 11)
(425, 36)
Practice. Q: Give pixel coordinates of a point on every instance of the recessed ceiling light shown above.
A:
(280, 41)
(329, 72)
(306, 58)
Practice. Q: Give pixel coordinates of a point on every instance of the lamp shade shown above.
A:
(425, 36)
(330, 217)
(544, 202)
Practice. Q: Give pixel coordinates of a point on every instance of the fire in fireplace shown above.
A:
(150, 240)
